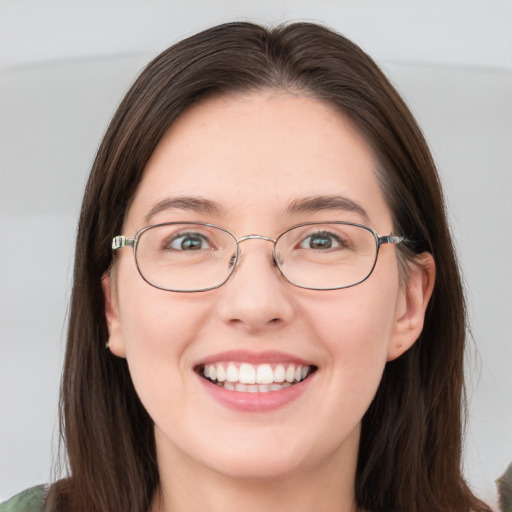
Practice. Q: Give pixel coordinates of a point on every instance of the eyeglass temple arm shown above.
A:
(121, 241)
(391, 239)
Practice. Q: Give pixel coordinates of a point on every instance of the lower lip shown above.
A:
(256, 402)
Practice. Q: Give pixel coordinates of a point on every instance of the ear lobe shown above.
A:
(411, 306)
(116, 341)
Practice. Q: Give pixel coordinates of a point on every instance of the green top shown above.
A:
(33, 499)
(30, 500)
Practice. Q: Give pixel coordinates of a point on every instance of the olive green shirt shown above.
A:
(29, 500)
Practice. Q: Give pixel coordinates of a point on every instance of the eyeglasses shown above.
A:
(197, 257)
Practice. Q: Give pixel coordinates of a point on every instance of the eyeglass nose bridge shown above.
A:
(253, 237)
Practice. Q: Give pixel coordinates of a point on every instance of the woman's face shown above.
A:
(242, 162)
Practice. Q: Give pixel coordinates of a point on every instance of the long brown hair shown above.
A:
(410, 448)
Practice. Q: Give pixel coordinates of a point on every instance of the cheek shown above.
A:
(155, 326)
(356, 330)
(158, 327)
(154, 322)
(358, 323)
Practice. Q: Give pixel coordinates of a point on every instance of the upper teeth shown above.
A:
(246, 373)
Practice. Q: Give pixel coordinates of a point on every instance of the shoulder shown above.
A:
(30, 500)
(505, 489)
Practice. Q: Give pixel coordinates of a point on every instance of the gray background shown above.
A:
(64, 66)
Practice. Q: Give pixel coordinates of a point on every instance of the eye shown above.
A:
(188, 242)
(323, 240)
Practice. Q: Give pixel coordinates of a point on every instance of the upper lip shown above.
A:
(252, 357)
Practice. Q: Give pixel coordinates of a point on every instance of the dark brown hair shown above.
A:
(410, 448)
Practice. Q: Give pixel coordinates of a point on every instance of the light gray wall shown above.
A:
(64, 66)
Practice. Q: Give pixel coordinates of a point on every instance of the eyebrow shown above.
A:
(319, 203)
(188, 203)
(304, 205)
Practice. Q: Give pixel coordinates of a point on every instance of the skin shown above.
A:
(253, 155)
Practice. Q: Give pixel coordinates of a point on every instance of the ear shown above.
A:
(412, 304)
(116, 343)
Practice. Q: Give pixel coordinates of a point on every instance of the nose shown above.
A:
(257, 297)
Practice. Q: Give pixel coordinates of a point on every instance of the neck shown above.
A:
(189, 487)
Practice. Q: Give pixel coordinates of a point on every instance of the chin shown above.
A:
(259, 467)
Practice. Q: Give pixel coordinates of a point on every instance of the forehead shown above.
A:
(256, 154)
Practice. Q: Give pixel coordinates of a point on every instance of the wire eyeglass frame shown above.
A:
(121, 241)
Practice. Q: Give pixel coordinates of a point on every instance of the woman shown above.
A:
(287, 329)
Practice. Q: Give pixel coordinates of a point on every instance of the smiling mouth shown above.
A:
(248, 378)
